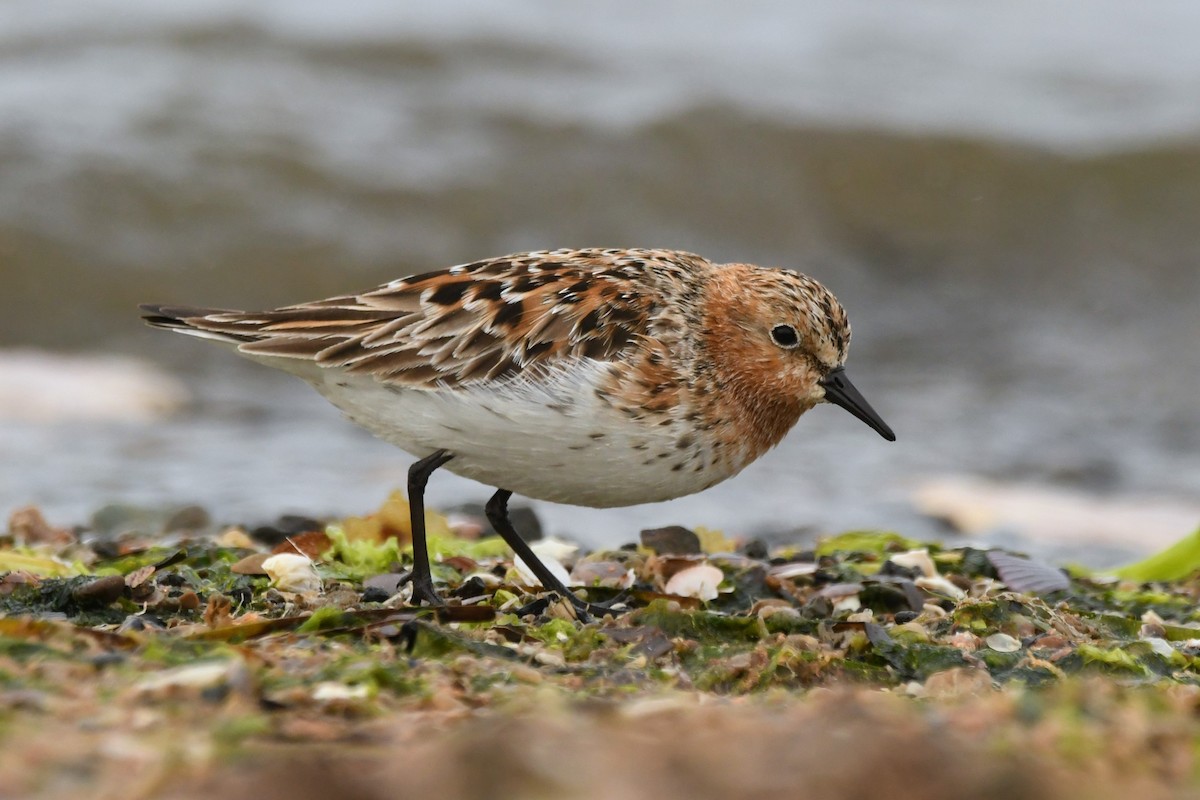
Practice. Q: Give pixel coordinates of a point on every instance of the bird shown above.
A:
(597, 377)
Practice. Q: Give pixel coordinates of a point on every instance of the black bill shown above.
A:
(841, 392)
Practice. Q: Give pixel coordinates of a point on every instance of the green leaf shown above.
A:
(1177, 561)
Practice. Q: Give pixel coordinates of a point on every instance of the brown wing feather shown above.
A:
(483, 321)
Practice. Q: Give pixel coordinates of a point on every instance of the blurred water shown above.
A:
(1006, 200)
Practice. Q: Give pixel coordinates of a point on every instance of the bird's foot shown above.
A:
(423, 592)
(584, 610)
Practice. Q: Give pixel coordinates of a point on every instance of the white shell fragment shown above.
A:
(552, 548)
(193, 677)
(528, 579)
(700, 581)
(848, 603)
(292, 572)
(793, 570)
(916, 559)
(332, 691)
(1002, 643)
(609, 574)
(1160, 646)
(939, 585)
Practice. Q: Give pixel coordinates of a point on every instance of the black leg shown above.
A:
(497, 514)
(418, 476)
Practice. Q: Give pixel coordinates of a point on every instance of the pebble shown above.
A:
(101, 591)
(674, 540)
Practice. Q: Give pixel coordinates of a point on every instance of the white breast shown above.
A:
(552, 439)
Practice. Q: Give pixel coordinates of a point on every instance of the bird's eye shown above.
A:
(785, 336)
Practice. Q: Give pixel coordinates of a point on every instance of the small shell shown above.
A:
(488, 580)
(848, 603)
(551, 548)
(292, 572)
(609, 574)
(700, 581)
(1002, 643)
(939, 585)
(916, 559)
(332, 691)
(527, 578)
(194, 677)
(793, 570)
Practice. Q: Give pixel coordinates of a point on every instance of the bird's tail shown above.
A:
(222, 325)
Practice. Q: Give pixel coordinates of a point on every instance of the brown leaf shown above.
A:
(310, 543)
(216, 613)
(463, 564)
(251, 565)
(139, 576)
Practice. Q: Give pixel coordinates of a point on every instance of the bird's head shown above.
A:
(782, 338)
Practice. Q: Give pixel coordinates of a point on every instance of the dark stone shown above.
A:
(105, 549)
(100, 592)
(215, 694)
(373, 594)
(188, 518)
(534, 608)
(284, 528)
(654, 645)
(892, 568)
(755, 548)
(472, 587)
(674, 540)
(817, 607)
(902, 617)
(141, 622)
(388, 583)
(885, 598)
(242, 591)
(102, 660)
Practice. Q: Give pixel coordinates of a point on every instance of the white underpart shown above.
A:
(551, 439)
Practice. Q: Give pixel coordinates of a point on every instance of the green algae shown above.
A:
(917, 661)
(705, 626)
(575, 642)
(34, 562)
(355, 559)
(326, 618)
(865, 543)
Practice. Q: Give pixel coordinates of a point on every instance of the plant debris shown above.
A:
(309, 636)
